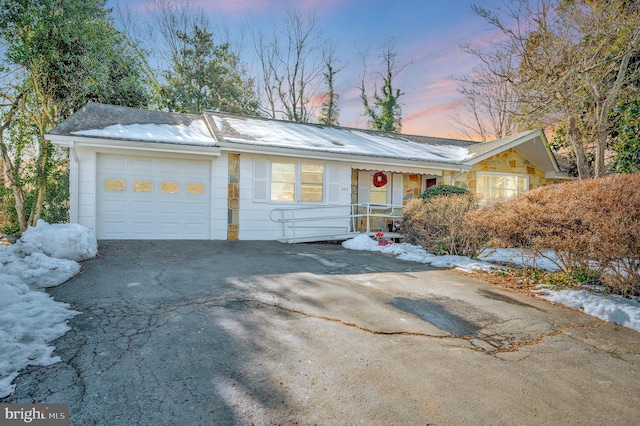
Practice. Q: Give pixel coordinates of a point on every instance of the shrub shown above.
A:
(439, 224)
(592, 226)
(437, 190)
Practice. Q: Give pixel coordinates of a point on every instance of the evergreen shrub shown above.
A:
(437, 190)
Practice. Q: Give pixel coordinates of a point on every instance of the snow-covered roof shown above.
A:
(134, 124)
(262, 132)
(255, 134)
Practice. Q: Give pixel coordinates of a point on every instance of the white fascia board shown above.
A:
(99, 144)
(341, 157)
(559, 175)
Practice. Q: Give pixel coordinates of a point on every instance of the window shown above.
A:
(311, 183)
(169, 187)
(491, 187)
(142, 186)
(114, 185)
(283, 181)
(297, 182)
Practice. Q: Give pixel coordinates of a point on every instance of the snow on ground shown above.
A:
(45, 256)
(612, 308)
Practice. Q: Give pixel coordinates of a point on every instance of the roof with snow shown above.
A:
(266, 132)
(134, 124)
(217, 129)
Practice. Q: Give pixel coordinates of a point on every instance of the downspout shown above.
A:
(73, 208)
(453, 179)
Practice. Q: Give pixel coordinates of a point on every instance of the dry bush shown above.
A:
(439, 225)
(593, 226)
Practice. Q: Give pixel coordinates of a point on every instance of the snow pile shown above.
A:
(62, 241)
(412, 253)
(611, 308)
(31, 318)
(547, 262)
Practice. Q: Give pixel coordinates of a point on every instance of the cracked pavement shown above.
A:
(224, 332)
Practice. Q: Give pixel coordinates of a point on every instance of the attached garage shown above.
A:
(152, 198)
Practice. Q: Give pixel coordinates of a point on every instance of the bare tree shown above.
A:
(290, 67)
(490, 98)
(573, 64)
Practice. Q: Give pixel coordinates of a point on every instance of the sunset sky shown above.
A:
(428, 34)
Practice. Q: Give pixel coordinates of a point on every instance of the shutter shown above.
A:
(363, 186)
(333, 184)
(260, 181)
(345, 185)
(397, 192)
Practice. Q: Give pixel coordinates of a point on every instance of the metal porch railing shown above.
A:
(299, 223)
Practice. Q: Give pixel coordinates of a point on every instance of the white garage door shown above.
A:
(152, 198)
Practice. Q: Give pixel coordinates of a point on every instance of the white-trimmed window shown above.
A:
(283, 181)
(297, 182)
(491, 187)
(311, 183)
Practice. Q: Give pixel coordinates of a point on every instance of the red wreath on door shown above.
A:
(379, 179)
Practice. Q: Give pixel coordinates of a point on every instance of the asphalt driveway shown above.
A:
(223, 332)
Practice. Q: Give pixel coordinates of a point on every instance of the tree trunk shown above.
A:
(584, 170)
(18, 193)
(601, 142)
(43, 172)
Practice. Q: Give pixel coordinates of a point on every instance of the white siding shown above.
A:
(255, 222)
(86, 186)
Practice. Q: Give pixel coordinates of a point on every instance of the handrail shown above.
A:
(369, 210)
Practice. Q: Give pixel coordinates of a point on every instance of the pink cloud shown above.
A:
(433, 110)
(249, 6)
(232, 5)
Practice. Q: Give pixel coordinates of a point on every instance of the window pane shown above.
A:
(311, 193)
(311, 187)
(282, 191)
(114, 185)
(283, 178)
(312, 174)
(169, 187)
(494, 187)
(142, 186)
(522, 185)
(483, 189)
(281, 172)
(510, 182)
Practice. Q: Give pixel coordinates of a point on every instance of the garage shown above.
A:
(139, 197)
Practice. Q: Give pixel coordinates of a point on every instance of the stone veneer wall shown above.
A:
(510, 161)
(411, 187)
(233, 197)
